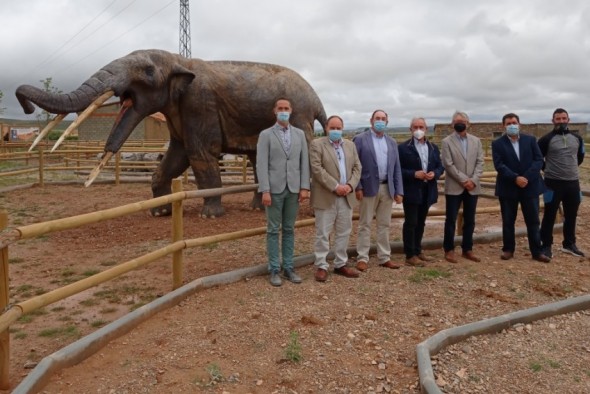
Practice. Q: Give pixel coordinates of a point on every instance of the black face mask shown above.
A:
(561, 127)
(460, 127)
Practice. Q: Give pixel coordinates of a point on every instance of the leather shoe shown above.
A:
(321, 275)
(390, 264)
(469, 255)
(414, 261)
(450, 257)
(542, 258)
(347, 272)
(291, 276)
(423, 257)
(506, 255)
(362, 266)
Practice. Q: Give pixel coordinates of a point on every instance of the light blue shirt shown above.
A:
(463, 141)
(380, 145)
(515, 145)
(341, 161)
(422, 148)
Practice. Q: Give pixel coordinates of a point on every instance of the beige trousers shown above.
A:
(380, 207)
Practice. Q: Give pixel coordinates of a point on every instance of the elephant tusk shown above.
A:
(94, 173)
(54, 122)
(82, 117)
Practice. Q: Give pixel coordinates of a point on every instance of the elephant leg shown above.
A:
(207, 175)
(173, 164)
(256, 202)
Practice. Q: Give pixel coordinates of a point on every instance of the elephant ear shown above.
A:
(180, 79)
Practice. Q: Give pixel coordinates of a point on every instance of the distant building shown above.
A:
(99, 125)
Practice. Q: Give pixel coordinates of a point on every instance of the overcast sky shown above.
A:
(412, 58)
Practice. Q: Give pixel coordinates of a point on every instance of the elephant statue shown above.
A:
(210, 107)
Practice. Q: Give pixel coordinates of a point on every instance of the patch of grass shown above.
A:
(20, 335)
(58, 309)
(26, 318)
(535, 366)
(68, 272)
(23, 288)
(88, 273)
(39, 291)
(68, 331)
(15, 260)
(553, 364)
(108, 310)
(293, 349)
(65, 318)
(109, 263)
(89, 302)
(98, 323)
(39, 312)
(215, 375)
(211, 246)
(425, 274)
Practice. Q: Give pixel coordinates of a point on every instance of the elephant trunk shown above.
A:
(58, 103)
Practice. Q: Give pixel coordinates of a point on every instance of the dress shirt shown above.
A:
(380, 145)
(286, 136)
(463, 141)
(515, 145)
(341, 160)
(422, 148)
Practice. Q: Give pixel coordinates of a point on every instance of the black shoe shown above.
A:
(546, 250)
(573, 250)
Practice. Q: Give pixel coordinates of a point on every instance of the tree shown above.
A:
(48, 87)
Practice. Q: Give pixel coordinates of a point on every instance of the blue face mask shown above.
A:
(512, 129)
(379, 125)
(335, 135)
(283, 116)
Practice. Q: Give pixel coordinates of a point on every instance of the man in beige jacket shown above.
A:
(462, 158)
(335, 173)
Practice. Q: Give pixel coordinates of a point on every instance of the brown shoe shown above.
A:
(423, 257)
(321, 275)
(450, 257)
(506, 255)
(362, 266)
(542, 258)
(390, 264)
(414, 261)
(470, 256)
(347, 272)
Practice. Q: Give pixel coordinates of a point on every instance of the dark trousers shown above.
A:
(413, 228)
(453, 203)
(530, 212)
(568, 194)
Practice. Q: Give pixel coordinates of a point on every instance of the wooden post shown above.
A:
(460, 223)
(177, 235)
(185, 176)
(117, 167)
(4, 298)
(41, 167)
(244, 169)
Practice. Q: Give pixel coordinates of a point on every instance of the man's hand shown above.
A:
(420, 175)
(359, 194)
(398, 198)
(521, 181)
(266, 199)
(343, 190)
(469, 185)
(303, 195)
(430, 176)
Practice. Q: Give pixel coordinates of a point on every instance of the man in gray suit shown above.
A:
(282, 167)
(335, 171)
(462, 158)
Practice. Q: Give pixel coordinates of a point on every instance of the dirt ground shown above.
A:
(342, 336)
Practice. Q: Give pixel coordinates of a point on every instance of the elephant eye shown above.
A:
(149, 71)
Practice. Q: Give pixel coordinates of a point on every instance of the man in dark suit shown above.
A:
(518, 161)
(421, 168)
(380, 185)
(282, 167)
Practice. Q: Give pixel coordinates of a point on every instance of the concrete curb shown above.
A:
(83, 348)
(448, 337)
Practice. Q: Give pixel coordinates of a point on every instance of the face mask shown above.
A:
(460, 127)
(561, 127)
(512, 129)
(335, 135)
(418, 134)
(379, 125)
(283, 116)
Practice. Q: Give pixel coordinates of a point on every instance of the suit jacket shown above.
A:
(325, 173)
(410, 162)
(460, 168)
(277, 170)
(509, 167)
(369, 182)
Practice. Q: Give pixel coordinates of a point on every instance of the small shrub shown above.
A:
(425, 274)
(293, 349)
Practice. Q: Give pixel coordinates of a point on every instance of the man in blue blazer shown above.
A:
(421, 168)
(380, 185)
(518, 161)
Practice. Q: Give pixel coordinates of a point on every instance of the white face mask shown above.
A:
(418, 134)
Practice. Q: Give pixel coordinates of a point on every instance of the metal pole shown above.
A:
(4, 298)
(177, 235)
